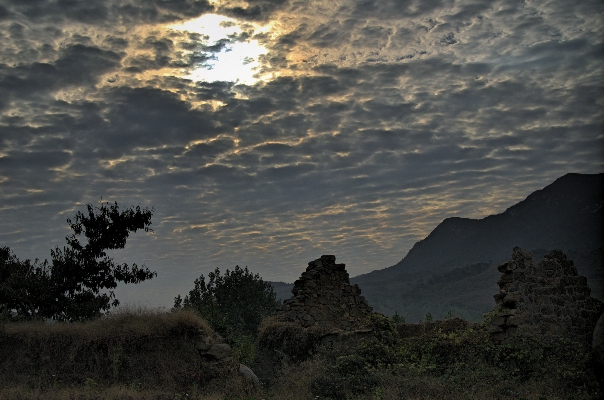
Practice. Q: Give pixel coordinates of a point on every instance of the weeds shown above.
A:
(151, 356)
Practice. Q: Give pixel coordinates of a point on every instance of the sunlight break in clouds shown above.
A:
(236, 62)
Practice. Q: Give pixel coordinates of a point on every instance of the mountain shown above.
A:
(283, 290)
(454, 268)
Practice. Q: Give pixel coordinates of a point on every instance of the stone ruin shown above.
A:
(324, 310)
(323, 297)
(548, 298)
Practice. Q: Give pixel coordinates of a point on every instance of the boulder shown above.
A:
(220, 351)
(249, 375)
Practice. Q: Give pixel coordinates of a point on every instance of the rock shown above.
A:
(203, 345)
(218, 351)
(249, 375)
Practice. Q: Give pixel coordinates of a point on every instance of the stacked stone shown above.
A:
(548, 298)
(323, 297)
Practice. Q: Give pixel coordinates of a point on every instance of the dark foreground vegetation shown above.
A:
(151, 355)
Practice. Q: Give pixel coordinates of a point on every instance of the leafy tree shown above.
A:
(24, 286)
(233, 303)
(69, 287)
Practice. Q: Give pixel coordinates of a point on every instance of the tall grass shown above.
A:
(137, 351)
(150, 354)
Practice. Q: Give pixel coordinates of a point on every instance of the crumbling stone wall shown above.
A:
(548, 298)
(323, 297)
(324, 310)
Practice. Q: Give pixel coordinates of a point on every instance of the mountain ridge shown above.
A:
(459, 224)
(566, 215)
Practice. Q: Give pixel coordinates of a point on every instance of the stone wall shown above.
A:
(548, 298)
(324, 310)
(323, 297)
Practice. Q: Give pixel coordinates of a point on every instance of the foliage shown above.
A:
(398, 319)
(464, 361)
(349, 376)
(24, 287)
(69, 287)
(150, 356)
(298, 344)
(243, 350)
(234, 303)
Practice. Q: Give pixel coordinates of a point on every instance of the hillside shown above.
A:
(565, 215)
(454, 267)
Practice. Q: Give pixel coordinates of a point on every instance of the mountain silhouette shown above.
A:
(453, 271)
(454, 268)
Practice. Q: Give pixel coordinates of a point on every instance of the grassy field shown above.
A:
(152, 355)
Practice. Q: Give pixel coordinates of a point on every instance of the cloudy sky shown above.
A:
(269, 132)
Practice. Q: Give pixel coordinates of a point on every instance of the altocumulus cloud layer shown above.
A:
(367, 124)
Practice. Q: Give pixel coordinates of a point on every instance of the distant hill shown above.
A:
(454, 268)
(283, 290)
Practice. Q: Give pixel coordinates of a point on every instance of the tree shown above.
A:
(234, 304)
(69, 287)
(24, 286)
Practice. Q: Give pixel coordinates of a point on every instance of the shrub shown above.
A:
(351, 375)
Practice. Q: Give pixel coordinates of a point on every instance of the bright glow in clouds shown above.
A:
(238, 62)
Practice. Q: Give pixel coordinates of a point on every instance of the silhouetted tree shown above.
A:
(24, 286)
(398, 319)
(234, 304)
(69, 287)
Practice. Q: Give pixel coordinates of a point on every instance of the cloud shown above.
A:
(77, 65)
(254, 10)
(380, 119)
(97, 11)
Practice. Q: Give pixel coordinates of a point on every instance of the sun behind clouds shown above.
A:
(235, 56)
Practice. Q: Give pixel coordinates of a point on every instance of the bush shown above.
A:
(288, 337)
(351, 375)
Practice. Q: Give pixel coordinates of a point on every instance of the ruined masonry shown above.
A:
(548, 298)
(324, 298)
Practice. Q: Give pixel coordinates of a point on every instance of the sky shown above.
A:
(266, 133)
